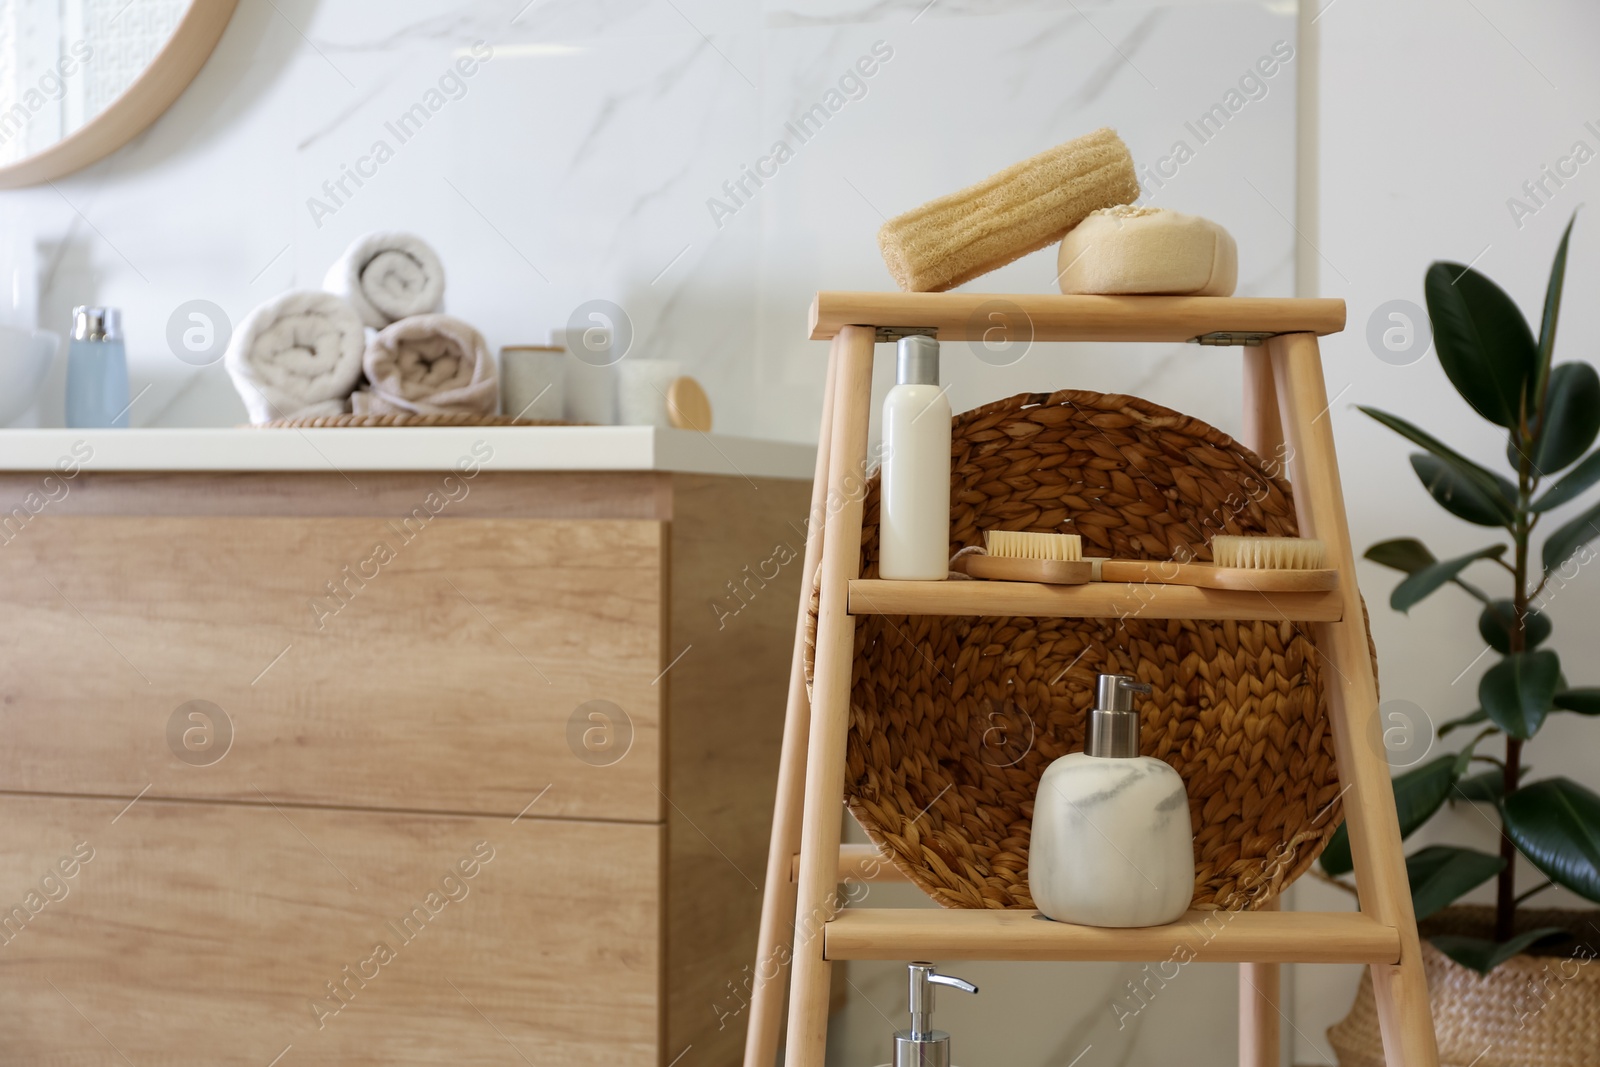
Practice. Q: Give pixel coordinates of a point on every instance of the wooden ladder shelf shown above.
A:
(1285, 403)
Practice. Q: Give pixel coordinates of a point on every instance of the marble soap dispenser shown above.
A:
(1111, 843)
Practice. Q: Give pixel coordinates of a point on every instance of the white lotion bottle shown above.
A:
(914, 511)
(1111, 843)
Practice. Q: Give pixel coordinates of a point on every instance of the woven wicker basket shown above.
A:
(1534, 1010)
(953, 720)
(324, 422)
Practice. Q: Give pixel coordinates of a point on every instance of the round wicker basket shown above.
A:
(1539, 1009)
(324, 422)
(953, 720)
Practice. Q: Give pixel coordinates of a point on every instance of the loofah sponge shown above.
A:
(1128, 249)
(1022, 209)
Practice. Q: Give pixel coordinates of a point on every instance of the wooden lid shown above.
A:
(688, 408)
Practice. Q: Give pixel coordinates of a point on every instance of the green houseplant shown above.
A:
(1550, 415)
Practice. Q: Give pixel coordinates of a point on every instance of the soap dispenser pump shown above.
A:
(922, 1046)
(1111, 842)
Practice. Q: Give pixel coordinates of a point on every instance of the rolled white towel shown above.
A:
(388, 277)
(297, 355)
(427, 365)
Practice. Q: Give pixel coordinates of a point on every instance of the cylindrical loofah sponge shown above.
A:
(1022, 209)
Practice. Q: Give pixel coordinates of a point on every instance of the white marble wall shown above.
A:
(578, 163)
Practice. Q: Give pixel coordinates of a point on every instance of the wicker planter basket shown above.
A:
(953, 720)
(1540, 1009)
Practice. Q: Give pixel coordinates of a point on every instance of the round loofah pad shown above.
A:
(953, 720)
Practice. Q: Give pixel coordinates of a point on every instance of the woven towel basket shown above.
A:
(953, 720)
(1538, 1009)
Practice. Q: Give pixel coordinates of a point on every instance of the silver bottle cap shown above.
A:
(96, 324)
(1113, 722)
(917, 361)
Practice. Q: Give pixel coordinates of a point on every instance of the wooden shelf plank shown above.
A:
(1094, 600)
(1208, 936)
(857, 863)
(1056, 317)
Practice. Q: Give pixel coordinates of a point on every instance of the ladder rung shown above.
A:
(1207, 936)
(857, 863)
(1057, 317)
(1093, 600)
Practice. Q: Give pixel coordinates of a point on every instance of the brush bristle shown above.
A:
(1268, 553)
(1021, 544)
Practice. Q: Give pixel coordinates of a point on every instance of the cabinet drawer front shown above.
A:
(450, 665)
(221, 935)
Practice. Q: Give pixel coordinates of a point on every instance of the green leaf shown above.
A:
(1500, 615)
(1484, 343)
(1517, 692)
(1466, 720)
(1556, 824)
(1423, 583)
(1418, 793)
(1403, 554)
(1458, 495)
(1570, 537)
(1441, 875)
(1571, 417)
(1483, 955)
(1551, 312)
(1572, 485)
(1584, 701)
(1489, 483)
(1486, 787)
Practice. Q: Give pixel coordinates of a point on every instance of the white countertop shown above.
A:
(514, 448)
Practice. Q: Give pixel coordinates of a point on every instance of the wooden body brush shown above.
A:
(1019, 556)
(1263, 564)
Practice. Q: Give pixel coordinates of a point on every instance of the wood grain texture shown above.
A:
(1096, 600)
(858, 863)
(963, 316)
(816, 896)
(168, 74)
(1205, 936)
(445, 680)
(1260, 1010)
(736, 550)
(203, 935)
(775, 943)
(1014, 569)
(1261, 984)
(1210, 576)
(386, 494)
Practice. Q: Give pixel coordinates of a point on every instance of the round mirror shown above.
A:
(81, 78)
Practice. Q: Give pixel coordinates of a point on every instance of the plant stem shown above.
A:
(1506, 889)
(1535, 889)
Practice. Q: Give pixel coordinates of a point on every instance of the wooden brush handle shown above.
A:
(1210, 576)
(1008, 569)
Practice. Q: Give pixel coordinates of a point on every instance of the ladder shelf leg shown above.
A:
(1261, 984)
(830, 711)
(775, 943)
(1375, 846)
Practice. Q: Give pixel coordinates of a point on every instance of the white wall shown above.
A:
(1430, 115)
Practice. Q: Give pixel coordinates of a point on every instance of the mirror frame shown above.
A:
(140, 104)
